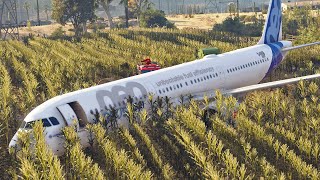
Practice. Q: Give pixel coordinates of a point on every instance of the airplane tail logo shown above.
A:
(273, 27)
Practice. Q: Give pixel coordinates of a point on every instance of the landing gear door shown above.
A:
(69, 115)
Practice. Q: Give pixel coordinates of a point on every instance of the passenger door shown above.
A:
(69, 115)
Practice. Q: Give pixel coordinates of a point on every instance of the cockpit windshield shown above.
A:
(52, 121)
(23, 124)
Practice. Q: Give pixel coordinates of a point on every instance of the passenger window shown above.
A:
(159, 91)
(210, 76)
(167, 89)
(191, 82)
(46, 123)
(186, 84)
(181, 85)
(217, 74)
(228, 71)
(54, 121)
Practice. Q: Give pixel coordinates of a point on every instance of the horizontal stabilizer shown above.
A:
(298, 47)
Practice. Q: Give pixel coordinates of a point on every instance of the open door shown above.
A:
(69, 115)
(81, 115)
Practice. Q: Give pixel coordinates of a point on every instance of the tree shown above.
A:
(46, 10)
(76, 11)
(232, 8)
(106, 6)
(26, 5)
(136, 7)
(126, 11)
(154, 18)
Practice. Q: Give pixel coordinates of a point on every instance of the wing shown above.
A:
(246, 89)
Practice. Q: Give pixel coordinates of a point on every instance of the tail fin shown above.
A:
(272, 31)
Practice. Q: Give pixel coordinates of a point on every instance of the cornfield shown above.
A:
(275, 134)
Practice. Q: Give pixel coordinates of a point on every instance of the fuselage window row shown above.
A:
(246, 65)
(195, 81)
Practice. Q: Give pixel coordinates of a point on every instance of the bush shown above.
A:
(96, 26)
(234, 25)
(231, 24)
(154, 18)
(252, 18)
(58, 33)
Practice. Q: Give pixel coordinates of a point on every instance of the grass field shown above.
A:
(275, 135)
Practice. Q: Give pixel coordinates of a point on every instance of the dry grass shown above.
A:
(44, 30)
(200, 21)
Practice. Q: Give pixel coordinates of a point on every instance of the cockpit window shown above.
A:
(23, 124)
(29, 125)
(45, 123)
(54, 121)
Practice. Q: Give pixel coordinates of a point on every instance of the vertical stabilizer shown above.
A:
(272, 31)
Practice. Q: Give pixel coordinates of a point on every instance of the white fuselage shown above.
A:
(230, 70)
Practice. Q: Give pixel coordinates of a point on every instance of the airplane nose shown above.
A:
(13, 142)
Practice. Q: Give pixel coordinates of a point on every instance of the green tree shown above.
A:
(126, 11)
(154, 18)
(26, 6)
(136, 7)
(231, 24)
(76, 11)
(46, 10)
(232, 8)
(106, 6)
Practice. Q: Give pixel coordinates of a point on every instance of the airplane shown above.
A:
(235, 72)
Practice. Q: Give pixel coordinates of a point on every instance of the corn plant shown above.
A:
(164, 168)
(78, 161)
